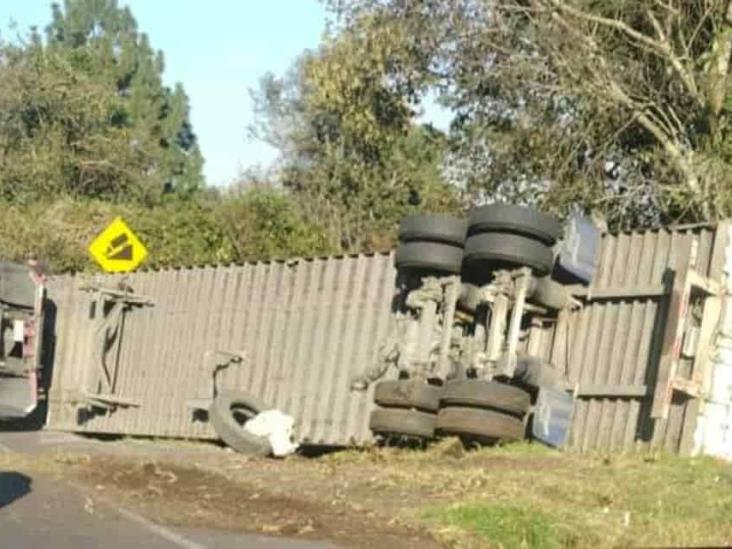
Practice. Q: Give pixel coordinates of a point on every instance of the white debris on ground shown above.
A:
(277, 427)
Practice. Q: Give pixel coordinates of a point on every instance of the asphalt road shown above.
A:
(41, 512)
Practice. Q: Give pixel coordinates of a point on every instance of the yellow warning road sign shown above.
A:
(117, 249)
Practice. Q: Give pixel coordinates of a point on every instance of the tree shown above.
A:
(156, 115)
(659, 72)
(85, 113)
(351, 152)
(619, 105)
(265, 223)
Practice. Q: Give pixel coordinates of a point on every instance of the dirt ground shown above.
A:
(179, 495)
(373, 498)
(523, 495)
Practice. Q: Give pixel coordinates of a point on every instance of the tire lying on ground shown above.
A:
(399, 421)
(228, 413)
(408, 393)
(433, 228)
(512, 249)
(486, 394)
(429, 255)
(514, 219)
(478, 423)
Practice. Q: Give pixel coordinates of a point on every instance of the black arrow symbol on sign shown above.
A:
(119, 248)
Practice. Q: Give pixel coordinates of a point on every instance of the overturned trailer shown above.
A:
(142, 354)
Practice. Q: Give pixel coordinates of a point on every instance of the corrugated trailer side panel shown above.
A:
(308, 327)
(305, 328)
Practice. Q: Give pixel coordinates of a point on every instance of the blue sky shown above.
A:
(217, 49)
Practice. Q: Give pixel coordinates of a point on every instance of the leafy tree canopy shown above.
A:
(620, 106)
(352, 151)
(84, 112)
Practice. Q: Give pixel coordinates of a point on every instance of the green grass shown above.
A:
(524, 497)
(503, 525)
(527, 495)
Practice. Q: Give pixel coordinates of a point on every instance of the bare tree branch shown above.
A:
(719, 68)
(607, 84)
(667, 51)
(660, 46)
(672, 10)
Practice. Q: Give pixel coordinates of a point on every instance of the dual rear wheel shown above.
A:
(407, 408)
(492, 237)
(475, 410)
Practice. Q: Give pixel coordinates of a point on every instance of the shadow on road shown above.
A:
(13, 486)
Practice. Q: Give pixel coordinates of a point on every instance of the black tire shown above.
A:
(429, 255)
(550, 293)
(408, 393)
(486, 394)
(396, 421)
(514, 219)
(498, 250)
(222, 415)
(433, 228)
(480, 424)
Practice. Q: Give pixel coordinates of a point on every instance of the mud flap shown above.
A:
(579, 252)
(18, 396)
(552, 416)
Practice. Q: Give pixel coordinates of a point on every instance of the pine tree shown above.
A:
(101, 39)
(85, 112)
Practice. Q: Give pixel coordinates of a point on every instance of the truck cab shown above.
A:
(21, 321)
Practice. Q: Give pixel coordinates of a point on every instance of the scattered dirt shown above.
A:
(382, 497)
(177, 495)
(368, 498)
